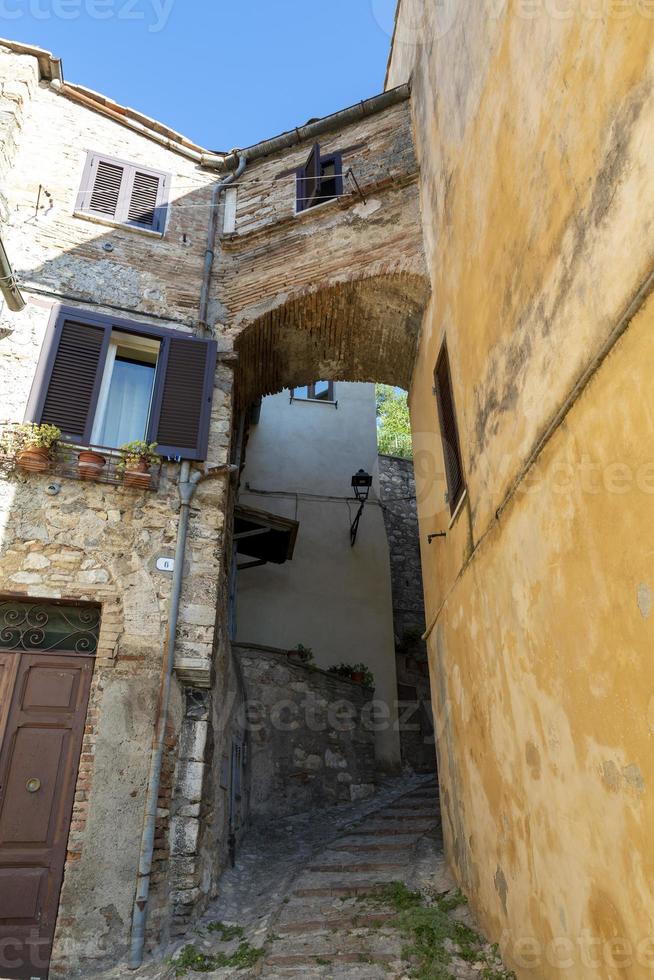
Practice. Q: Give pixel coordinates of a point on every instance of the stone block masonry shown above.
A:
(310, 735)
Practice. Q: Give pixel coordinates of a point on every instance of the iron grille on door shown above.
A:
(449, 431)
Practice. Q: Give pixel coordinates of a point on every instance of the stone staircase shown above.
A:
(325, 927)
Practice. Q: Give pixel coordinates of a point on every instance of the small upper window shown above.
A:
(123, 192)
(319, 180)
(319, 391)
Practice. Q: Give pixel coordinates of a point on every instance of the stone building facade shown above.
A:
(516, 229)
(103, 549)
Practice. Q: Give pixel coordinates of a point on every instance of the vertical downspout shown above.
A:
(211, 239)
(186, 486)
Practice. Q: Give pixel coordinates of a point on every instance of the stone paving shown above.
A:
(304, 899)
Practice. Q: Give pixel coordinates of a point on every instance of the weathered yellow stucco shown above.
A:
(535, 133)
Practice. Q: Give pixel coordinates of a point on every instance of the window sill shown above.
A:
(314, 401)
(108, 222)
(319, 207)
(458, 509)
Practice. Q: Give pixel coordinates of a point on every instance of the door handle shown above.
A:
(33, 785)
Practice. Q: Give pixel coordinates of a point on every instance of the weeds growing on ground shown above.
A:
(192, 959)
(227, 933)
(434, 935)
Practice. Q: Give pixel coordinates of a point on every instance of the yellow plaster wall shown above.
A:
(535, 134)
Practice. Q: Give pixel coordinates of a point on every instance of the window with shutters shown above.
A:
(123, 193)
(105, 382)
(319, 180)
(449, 431)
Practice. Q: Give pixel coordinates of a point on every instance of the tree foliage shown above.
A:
(393, 424)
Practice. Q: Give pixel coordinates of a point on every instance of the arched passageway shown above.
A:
(361, 330)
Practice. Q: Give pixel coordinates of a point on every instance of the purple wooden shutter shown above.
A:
(182, 398)
(449, 431)
(309, 179)
(68, 378)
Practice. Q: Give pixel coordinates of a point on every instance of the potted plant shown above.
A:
(136, 458)
(301, 654)
(357, 673)
(33, 445)
(362, 675)
(90, 464)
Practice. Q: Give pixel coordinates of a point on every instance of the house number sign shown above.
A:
(165, 564)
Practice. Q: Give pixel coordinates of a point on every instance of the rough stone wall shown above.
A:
(398, 496)
(536, 206)
(16, 90)
(398, 499)
(309, 735)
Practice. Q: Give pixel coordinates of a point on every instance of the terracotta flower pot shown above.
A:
(90, 464)
(137, 474)
(34, 459)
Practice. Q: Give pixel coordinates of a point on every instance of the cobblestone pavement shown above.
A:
(308, 897)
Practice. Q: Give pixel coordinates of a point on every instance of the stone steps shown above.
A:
(347, 869)
(362, 920)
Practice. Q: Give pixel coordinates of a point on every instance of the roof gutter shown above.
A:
(302, 134)
(212, 161)
(8, 285)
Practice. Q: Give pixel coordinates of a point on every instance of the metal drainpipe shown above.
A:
(211, 238)
(186, 486)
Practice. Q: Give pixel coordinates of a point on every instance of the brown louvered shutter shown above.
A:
(105, 187)
(182, 399)
(67, 393)
(449, 430)
(143, 199)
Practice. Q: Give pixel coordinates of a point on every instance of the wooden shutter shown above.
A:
(68, 380)
(449, 431)
(182, 398)
(104, 192)
(146, 203)
(125, 192)
(309, 179)
(143, 199)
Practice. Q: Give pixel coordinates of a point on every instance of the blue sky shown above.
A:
(224, 74)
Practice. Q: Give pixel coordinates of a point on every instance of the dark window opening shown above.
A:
(319, 180)
(319, 391)
(449, 430)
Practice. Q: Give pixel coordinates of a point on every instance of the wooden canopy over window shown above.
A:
(263, 537)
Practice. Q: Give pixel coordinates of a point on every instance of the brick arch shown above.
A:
(359, 330)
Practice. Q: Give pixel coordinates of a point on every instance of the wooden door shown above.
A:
(45, 702)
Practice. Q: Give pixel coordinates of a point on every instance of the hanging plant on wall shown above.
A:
(32, 445)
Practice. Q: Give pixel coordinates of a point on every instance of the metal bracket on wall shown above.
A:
(439, 534)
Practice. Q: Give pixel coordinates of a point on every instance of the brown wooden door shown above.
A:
(46, 695)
